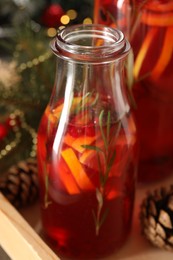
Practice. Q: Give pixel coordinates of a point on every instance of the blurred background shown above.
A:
(27, 67)
(45, 12)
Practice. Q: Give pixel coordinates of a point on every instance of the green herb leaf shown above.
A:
(100, 170)
(109, 166)
(92, 147)
(115, 131)
(101, 129)
(95, 100)
(111, 160)
(108, 157)
(108, 125)
(99, 197)
(103, 218)
(82, 102)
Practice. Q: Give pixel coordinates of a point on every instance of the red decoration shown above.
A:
(8, 125)
(52, 15)
(3, 131)
(12, 122)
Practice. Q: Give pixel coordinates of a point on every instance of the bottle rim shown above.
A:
(90, 43)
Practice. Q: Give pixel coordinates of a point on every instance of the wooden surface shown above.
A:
(18, 239)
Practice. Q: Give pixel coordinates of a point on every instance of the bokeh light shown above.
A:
(51, 32)
(72, 14)
(65, 19)
(87, 20)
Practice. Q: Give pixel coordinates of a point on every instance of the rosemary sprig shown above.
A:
(97, 217)
(46, 201)
(108, 125)
(86, 98)
(82, 102)
(109, 166)
(109, 158)
(102, 131)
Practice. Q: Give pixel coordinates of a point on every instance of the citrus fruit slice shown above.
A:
(143, 50)
(165, 55)
(76, 169)
(66, 178)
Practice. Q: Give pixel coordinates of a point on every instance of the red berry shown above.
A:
(75, 130)
(90, 130)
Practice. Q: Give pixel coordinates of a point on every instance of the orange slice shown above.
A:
(67, 179)
(89, 157)
(159, 7)
(76, 169)
(54, 115)
(96, 13)
(50, 116)
(57, 110)
(143, 51)
(166, 54)
(83, 140)
(160, 20)
(68, 139)
(99, 42)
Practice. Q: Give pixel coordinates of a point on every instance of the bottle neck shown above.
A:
(90, 43)
(90, 63)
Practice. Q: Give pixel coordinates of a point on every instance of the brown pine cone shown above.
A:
(20, 185)
(156, 217)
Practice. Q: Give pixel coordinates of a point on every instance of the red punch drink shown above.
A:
(153, 49)
(80, 213)
(148, 25)
(87, 161)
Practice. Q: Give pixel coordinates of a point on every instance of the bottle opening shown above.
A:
(90, 43)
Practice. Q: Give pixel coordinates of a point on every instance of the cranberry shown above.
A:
(90, 130)
(76, 131)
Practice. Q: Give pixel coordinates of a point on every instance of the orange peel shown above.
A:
(90, 159)
(160, 7)
(83, 140)
(67, 179)
(160, 20)
(77, 170)
(165, 55)
(59, 108)
(68, 139)
(143, 51)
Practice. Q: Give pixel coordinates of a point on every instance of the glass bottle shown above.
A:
(152, 43)
(113, 13)
(87, 145)
(150, 32)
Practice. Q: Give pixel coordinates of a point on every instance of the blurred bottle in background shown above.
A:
(149, 27)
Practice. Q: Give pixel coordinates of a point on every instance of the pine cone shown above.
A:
(156, 218)
(20, 185)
